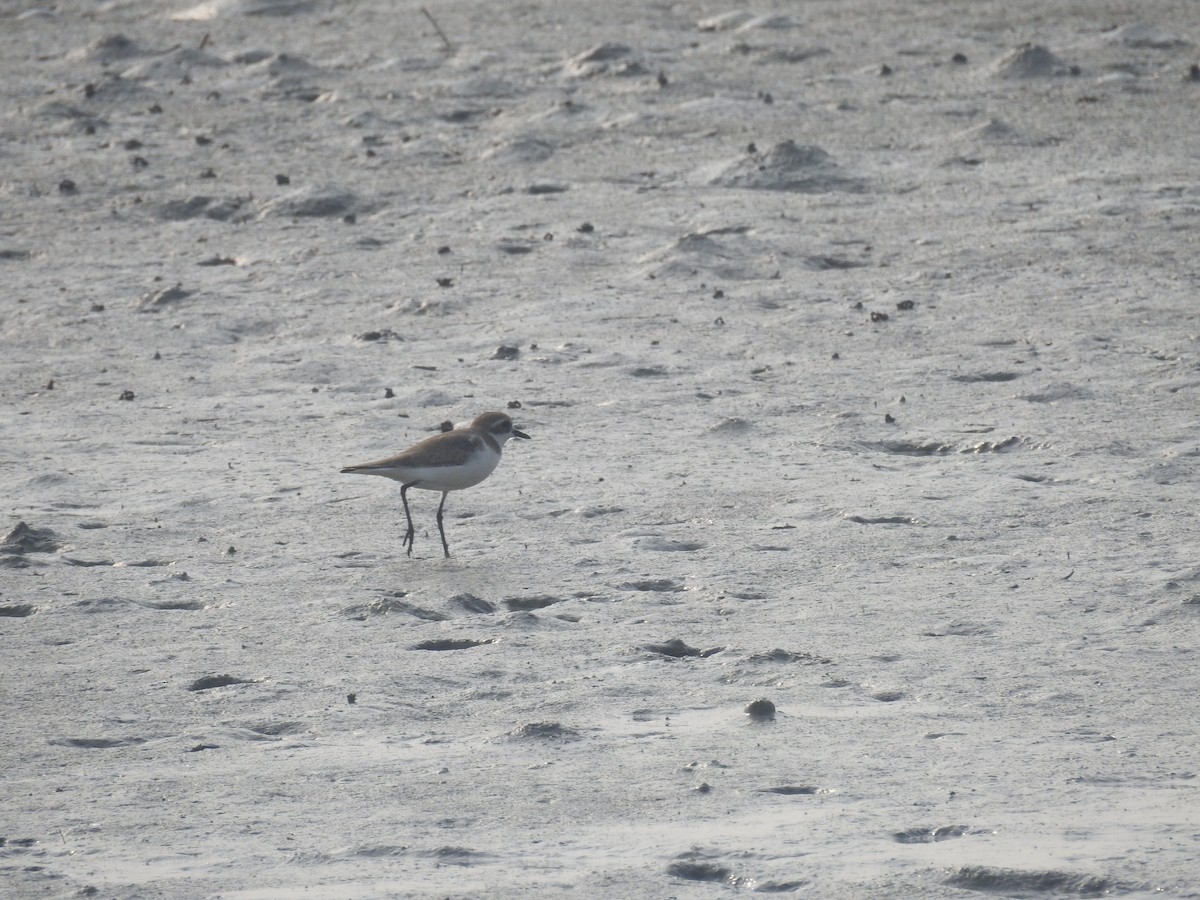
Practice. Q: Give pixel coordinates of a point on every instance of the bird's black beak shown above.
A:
(518, 433)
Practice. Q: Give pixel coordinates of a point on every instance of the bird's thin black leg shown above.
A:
(441, 530)
(408, 535)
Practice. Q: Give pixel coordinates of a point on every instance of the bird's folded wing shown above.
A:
(448, 449)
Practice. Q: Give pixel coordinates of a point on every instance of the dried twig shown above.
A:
(438, 29)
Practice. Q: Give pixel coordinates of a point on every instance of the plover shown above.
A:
(446, 462)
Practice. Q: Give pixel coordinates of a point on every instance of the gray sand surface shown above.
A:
(859, 343)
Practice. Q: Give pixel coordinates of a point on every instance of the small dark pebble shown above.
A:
(139, 162)
(526, 604)
(760, 710)
(718, 294)
(282, 180)
(539, 189)
(791, 790)
(778, 887)
(516, 404)
(385, 334)
(208, 173)
(132, 144)
(203, 141)
(67, 186)
(97, 307)
(677, 649)
(209, 682)
(506, 352)
(879, 317)
(452, 644)
(889, 419)
(446, 426)
(445, 282)
(698, 871)
(905, 305)
(350, 218)
(586, 228)
(50, 385)
(648, 372)
(352, 699)
(885, 70)
(674, 648)
(959, 59)
(442, 251)
(126, 395)
(388, 393)
(1193, 73)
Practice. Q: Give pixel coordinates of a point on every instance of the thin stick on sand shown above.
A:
(437, 28)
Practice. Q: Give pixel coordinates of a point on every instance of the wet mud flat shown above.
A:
(853, 554)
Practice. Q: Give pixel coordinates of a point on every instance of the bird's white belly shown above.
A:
(449, 478)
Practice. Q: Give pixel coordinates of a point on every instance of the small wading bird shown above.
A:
(446, 462)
